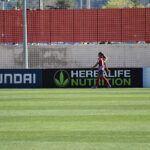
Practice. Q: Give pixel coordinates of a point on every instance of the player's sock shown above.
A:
(97, 81)
(107, 82)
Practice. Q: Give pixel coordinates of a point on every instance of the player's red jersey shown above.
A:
(101, 64)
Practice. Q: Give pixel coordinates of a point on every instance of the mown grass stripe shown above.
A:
(75, 96)
(75, 102)
(77, 136)
(75, 126)
(84, 99)
(76, 112)
(78, 107)
(89, 118)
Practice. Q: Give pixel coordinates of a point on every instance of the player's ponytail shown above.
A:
(104, 57)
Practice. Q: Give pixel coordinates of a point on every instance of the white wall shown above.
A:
(74, 56)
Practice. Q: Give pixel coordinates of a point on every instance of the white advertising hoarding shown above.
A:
(146, 77)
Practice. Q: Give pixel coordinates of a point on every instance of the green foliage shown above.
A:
(123, 4)
(64, 4)
(137, 3)
(19, 4)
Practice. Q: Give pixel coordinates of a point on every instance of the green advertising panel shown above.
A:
(86, 78)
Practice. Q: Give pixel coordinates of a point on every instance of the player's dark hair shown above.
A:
(101, 54)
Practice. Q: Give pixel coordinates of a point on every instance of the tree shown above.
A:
(19, 4)
(64, 4)
(137, 3)
(123, 4)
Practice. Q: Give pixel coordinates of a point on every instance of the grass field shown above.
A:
(75, 119)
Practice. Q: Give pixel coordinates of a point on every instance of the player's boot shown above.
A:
(109, 86)
(94, 87)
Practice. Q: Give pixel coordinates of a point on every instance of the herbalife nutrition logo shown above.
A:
(61, 78)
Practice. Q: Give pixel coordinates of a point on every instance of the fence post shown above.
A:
(25, 37)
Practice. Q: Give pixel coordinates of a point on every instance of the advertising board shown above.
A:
(86, 78)
(20, 78)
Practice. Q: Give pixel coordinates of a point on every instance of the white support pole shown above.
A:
(3, 5)
(88, 4)
(81, 4)
(41, 4)
(25, 37)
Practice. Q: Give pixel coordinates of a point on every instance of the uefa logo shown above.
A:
(61, 78)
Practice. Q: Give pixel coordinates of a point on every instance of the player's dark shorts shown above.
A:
(100, 73)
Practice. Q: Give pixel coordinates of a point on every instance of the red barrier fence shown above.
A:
(121, 25)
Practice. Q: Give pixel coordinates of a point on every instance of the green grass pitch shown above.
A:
(75, 119)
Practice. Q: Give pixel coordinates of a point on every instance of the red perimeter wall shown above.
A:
(121, 25)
